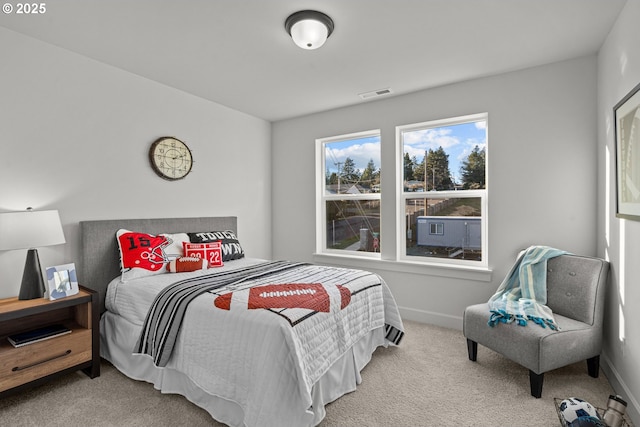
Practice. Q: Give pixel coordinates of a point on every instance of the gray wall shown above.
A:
(541, 177)
(75, 136)
(619, 239)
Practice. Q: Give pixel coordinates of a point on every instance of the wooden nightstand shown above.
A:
(36, 363)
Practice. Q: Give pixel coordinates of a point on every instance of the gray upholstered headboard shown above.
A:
(100, 260)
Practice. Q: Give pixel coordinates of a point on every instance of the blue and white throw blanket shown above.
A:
(523, 293)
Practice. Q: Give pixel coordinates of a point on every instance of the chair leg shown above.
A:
(472, 348)
(593, 366)
(536, 381)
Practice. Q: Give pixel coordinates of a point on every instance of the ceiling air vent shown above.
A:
(375, 93)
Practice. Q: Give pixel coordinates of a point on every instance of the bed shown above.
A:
(245, 361)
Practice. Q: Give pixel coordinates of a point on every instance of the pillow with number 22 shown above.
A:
(212, 252)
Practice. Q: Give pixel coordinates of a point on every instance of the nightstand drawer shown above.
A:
(33, 361)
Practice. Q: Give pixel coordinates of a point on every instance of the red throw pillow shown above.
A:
(212, 252)
(143, 254)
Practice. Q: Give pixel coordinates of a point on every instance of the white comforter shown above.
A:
(254, 357)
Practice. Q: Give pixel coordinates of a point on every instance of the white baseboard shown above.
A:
(432, 318)
(618, 384)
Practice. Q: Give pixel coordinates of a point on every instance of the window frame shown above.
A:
(322, 197)
(402, 197)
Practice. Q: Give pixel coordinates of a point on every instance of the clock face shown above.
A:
(170, 158)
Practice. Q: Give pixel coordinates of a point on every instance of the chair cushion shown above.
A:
(573, 285)
(534, 347)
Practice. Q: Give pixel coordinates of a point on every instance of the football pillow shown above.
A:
(186, 264)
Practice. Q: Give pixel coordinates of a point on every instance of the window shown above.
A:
(442, 191)
(348, 185)
(436, 228)
(441, 195)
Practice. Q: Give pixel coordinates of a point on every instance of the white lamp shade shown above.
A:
(30, 229)
(309, 33)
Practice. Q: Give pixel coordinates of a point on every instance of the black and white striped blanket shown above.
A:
(361, 291)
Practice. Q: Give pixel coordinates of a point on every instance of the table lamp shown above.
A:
(28, 230)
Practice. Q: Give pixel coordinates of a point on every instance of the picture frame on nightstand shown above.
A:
(62, 280)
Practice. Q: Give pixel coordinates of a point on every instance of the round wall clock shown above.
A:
(170, 158)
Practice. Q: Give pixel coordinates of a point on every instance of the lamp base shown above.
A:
(32, 283)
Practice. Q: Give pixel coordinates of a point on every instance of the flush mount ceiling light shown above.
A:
(309, 29)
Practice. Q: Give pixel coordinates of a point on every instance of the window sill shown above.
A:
(458, 272)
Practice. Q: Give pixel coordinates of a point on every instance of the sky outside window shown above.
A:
(361, 151)
(456, 140)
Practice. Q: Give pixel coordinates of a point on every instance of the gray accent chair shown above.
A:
(575, 294)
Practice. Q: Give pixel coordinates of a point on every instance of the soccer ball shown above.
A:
(573, 408)
(587, 422)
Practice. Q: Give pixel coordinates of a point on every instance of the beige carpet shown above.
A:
(427, 381)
